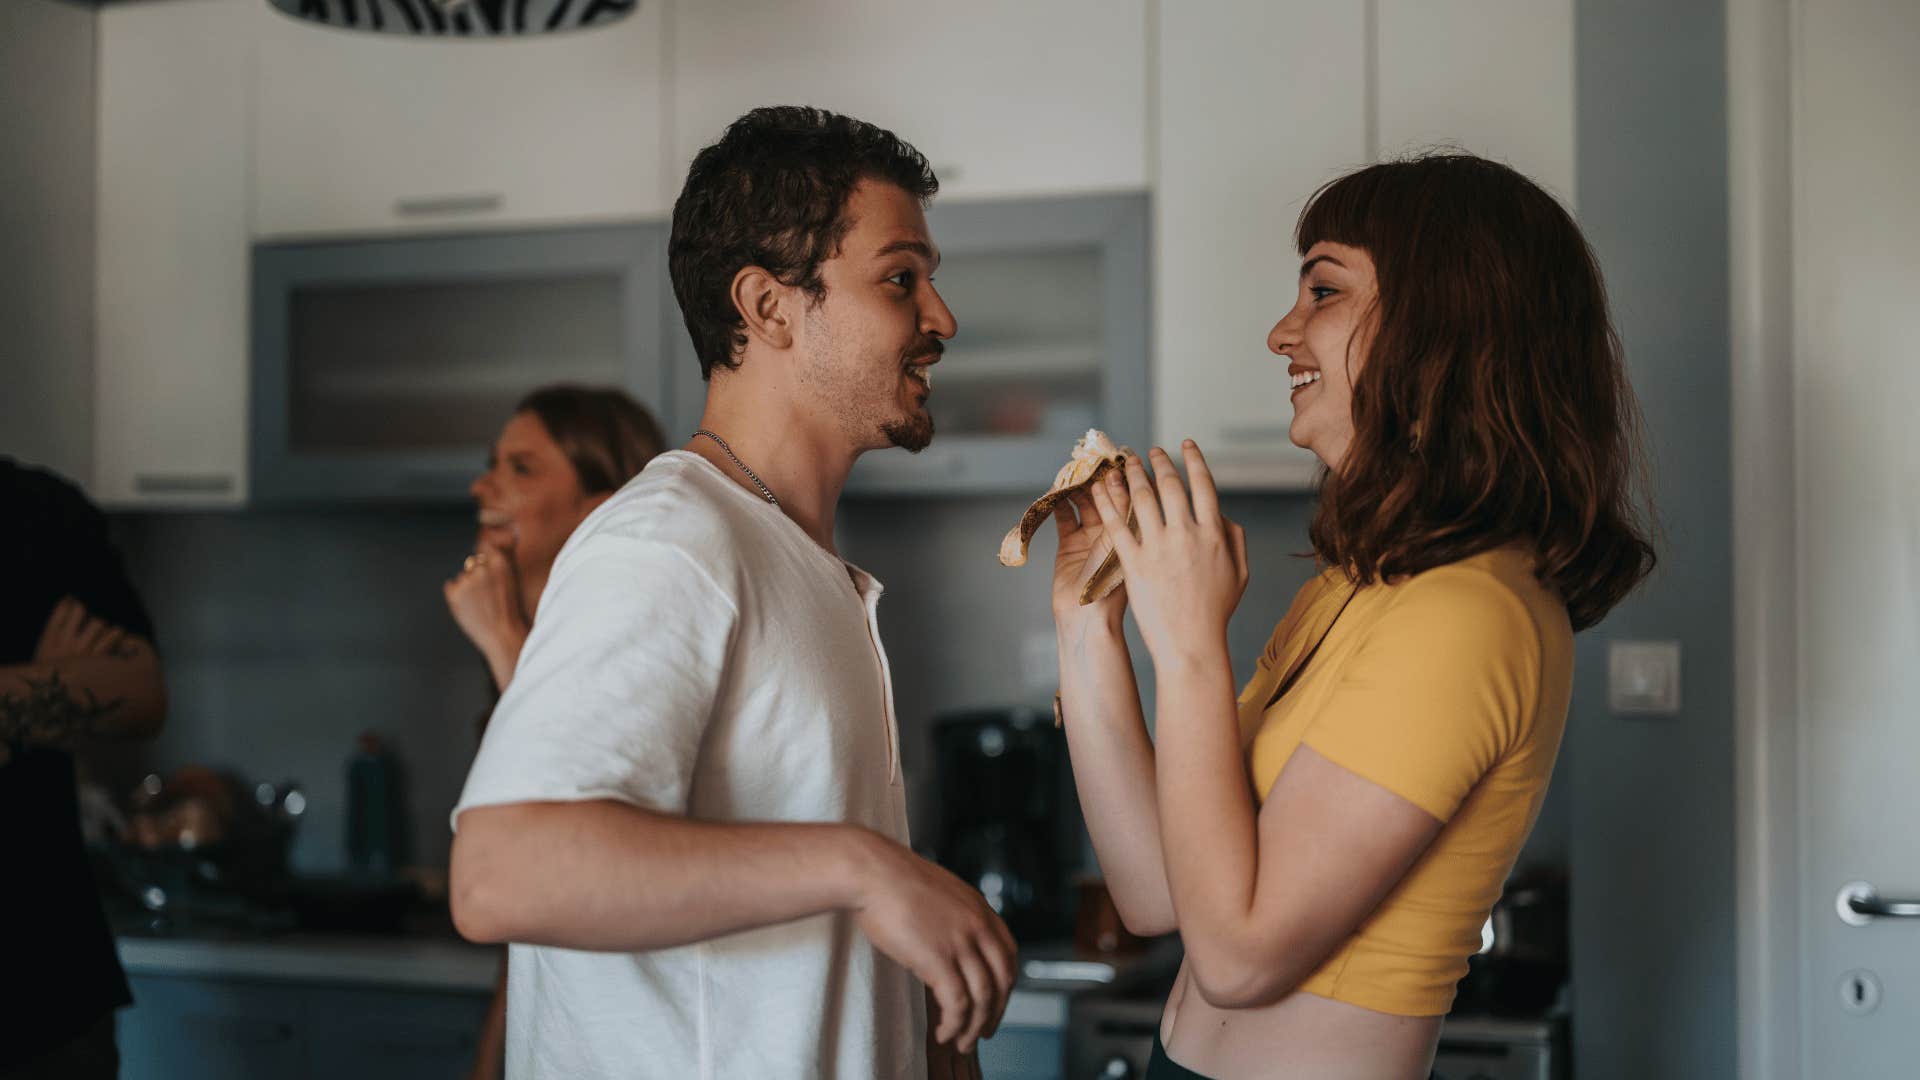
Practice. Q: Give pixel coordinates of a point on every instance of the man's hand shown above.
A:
(944, 1061)
(73, 631)
(942, 930)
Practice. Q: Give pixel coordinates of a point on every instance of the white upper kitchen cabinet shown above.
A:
(1491, 76)
(170, 347)
(1004, 97)
(1260, 102)
(362, 133)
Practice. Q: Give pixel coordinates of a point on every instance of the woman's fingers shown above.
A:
(1146, 505)
(1239, 537)
(1175, 508)
(1206, 499)
(1122, 538)
(1064, 523)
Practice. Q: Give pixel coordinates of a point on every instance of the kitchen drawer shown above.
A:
(211, 1029)
(370, 1034)
(188, 1028)
(1023, 1053)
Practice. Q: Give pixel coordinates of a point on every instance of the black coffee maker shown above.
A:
(1009, 822)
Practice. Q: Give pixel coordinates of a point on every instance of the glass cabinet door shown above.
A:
(384, 369)
(1050, 296)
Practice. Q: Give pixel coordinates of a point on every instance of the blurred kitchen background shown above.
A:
(270, 288)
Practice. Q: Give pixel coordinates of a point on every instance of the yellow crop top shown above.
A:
(1448, 688)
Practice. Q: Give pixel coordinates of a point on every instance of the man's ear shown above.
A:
(765, 306)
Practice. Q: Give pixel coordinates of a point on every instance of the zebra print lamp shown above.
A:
(460, 18)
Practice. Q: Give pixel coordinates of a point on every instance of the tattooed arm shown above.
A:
(87, 679)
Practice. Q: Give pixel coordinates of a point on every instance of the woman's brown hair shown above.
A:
(608, 436)
(1493, 406)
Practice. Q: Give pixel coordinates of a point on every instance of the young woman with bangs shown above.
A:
(1329, 842)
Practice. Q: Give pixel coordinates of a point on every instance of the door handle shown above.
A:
(1859, 903)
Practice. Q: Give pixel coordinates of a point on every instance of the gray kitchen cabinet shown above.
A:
(212, 1029)
(1023, 1053)
(382, 369)
(371, 1034)
(191, 1028)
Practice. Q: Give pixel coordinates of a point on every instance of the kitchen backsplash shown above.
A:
(288, 632)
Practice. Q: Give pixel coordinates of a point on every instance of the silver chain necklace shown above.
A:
(735, 458)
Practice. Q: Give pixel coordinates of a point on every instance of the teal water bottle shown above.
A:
(372, 803)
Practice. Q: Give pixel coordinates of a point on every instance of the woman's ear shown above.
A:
(762, 302)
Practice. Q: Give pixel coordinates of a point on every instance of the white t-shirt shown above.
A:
(697, 653)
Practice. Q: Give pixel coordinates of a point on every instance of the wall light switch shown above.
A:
(1643, 678)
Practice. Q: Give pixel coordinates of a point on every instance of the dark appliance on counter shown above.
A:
(1525, 964)
(1009, 823)
(1110, 1037)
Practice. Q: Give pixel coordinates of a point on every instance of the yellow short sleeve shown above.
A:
(1443, 684)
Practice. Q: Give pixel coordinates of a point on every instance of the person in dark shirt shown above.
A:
(76, 662)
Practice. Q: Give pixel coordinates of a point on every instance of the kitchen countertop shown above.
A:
(423, 963)
(1050, 973)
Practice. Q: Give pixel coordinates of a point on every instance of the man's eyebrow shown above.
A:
(912, 247)
(1311, 263)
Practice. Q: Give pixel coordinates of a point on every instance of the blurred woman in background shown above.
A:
(562, 453)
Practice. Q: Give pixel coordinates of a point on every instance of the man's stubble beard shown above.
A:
(913, 434)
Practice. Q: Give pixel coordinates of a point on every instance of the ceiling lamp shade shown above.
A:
(459, 18)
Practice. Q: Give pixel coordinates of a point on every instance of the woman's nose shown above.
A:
(481, 485)
(1284, 336)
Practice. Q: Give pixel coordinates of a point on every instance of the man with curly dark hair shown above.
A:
(688, 812)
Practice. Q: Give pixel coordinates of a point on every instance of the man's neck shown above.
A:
(805, 468)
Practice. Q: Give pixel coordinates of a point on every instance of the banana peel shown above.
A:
(1093, 457)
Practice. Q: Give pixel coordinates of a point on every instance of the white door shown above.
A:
(1856, 396)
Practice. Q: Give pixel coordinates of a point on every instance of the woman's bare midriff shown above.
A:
(1302, 1035)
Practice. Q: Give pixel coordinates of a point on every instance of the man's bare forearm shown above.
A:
(607, 876)
(57, 702)
(1113, 770)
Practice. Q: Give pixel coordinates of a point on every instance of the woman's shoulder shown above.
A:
(1496, 591)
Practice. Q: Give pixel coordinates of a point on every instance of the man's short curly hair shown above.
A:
(773, 193)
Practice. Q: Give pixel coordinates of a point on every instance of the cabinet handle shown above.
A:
(241, 1030)
(183, 483)
(426, 205)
